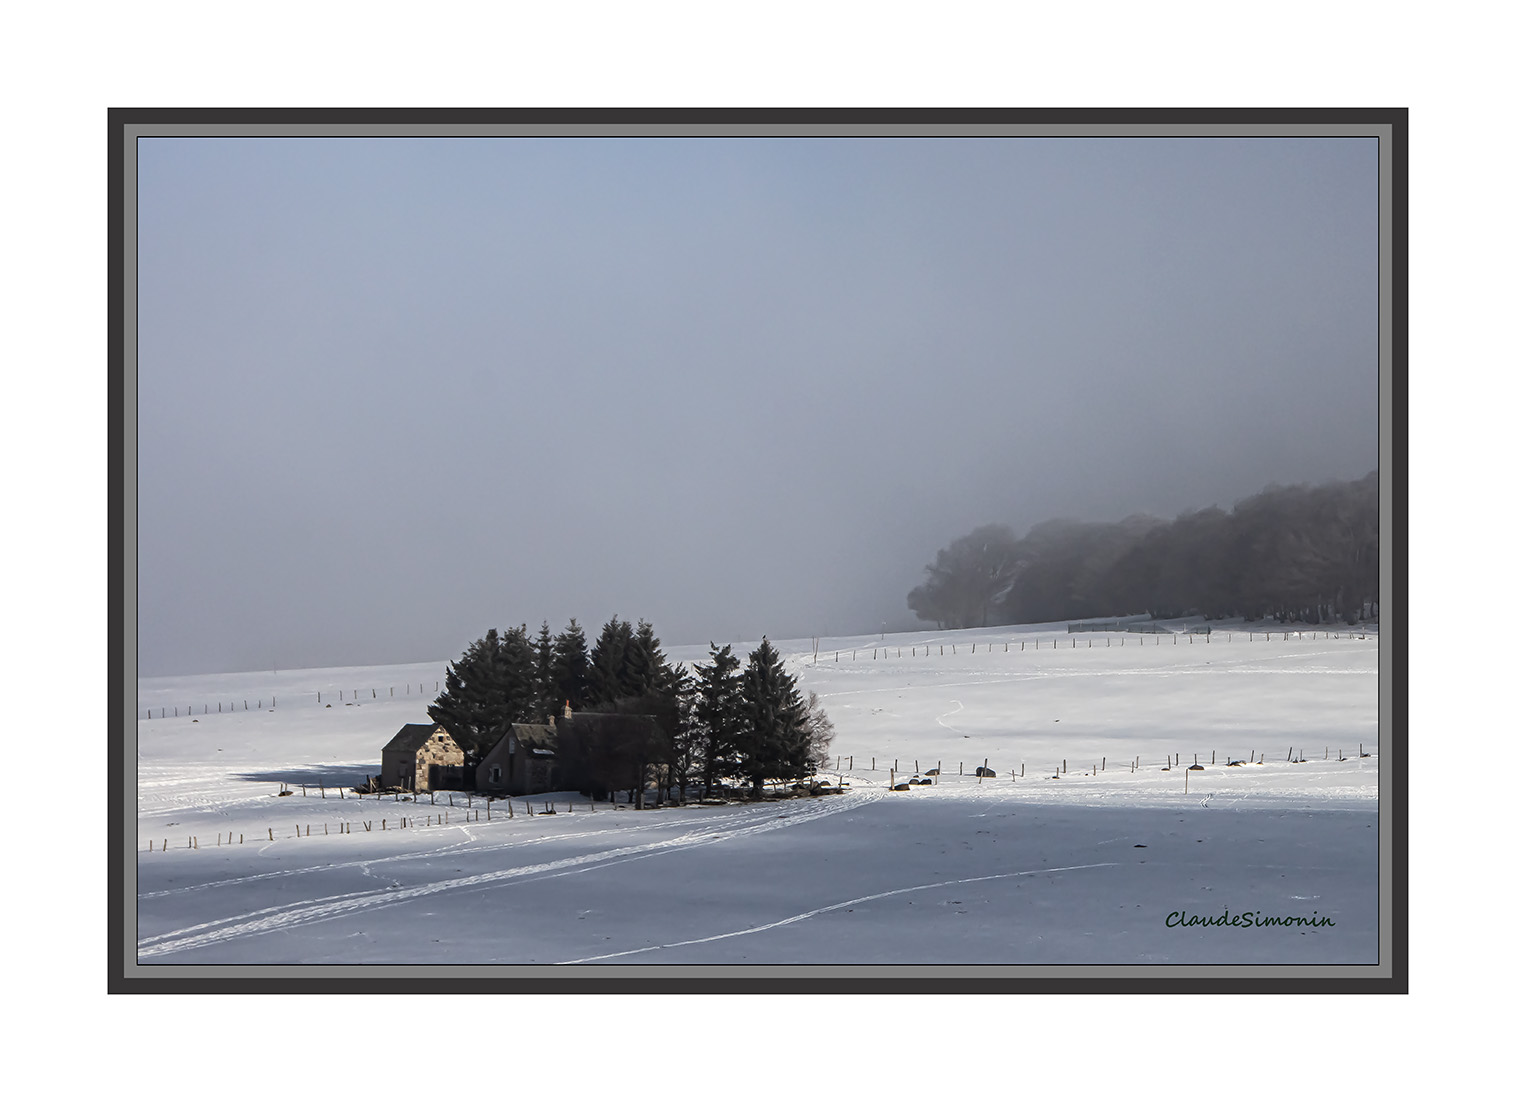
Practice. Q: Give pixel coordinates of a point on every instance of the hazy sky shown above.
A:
(395, 392)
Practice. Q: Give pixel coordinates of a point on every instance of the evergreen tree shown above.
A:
(476, 700)
(571, 668)
(518, 674)
(608, 672)
(772, 742)
(646, 669)
(717, 715)
(545, 699)
(684, 742)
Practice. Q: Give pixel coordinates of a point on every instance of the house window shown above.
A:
(494, 774)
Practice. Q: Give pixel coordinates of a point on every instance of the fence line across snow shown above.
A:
(1112, 638)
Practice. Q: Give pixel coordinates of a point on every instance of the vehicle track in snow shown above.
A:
(320, 909)
(474, 844)
(792, 919)
(954, 712)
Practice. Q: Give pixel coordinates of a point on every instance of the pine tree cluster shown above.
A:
(722, 723)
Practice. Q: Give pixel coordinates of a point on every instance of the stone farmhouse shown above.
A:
(591, 752)
(426, 757)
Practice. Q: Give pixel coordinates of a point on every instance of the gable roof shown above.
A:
(536, 736)
(412, 736)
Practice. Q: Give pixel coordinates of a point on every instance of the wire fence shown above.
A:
(322, 697)
(1095, 640)
(1060, 768)
(485, 813)
(1111, 639)
(917, 777)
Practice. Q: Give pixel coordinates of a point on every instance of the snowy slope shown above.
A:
(1083, 866)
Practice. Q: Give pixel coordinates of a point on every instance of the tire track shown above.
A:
(304, 912)
(836, 906)
(954, 712)
(493, 846)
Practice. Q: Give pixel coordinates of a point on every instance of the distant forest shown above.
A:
(1294, 553)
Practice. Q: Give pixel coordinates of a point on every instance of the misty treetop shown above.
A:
(1296, 553)
(972, 576)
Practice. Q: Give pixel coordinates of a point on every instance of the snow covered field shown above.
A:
(1088, 866)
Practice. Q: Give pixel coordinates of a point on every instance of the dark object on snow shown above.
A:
(933, 773)
(1139, 845)
(981, 771)
(1197, 765)
(903, 787)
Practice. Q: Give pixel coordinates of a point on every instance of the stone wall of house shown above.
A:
(439, 750)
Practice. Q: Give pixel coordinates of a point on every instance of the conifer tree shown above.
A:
(545, 699)
(571, 668)
(684, 743)
(646, 667)
(608, 662)
(717, 714)
(475, 701)
(518, 674)
(772, 743)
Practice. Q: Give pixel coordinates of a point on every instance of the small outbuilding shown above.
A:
(422, 757)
